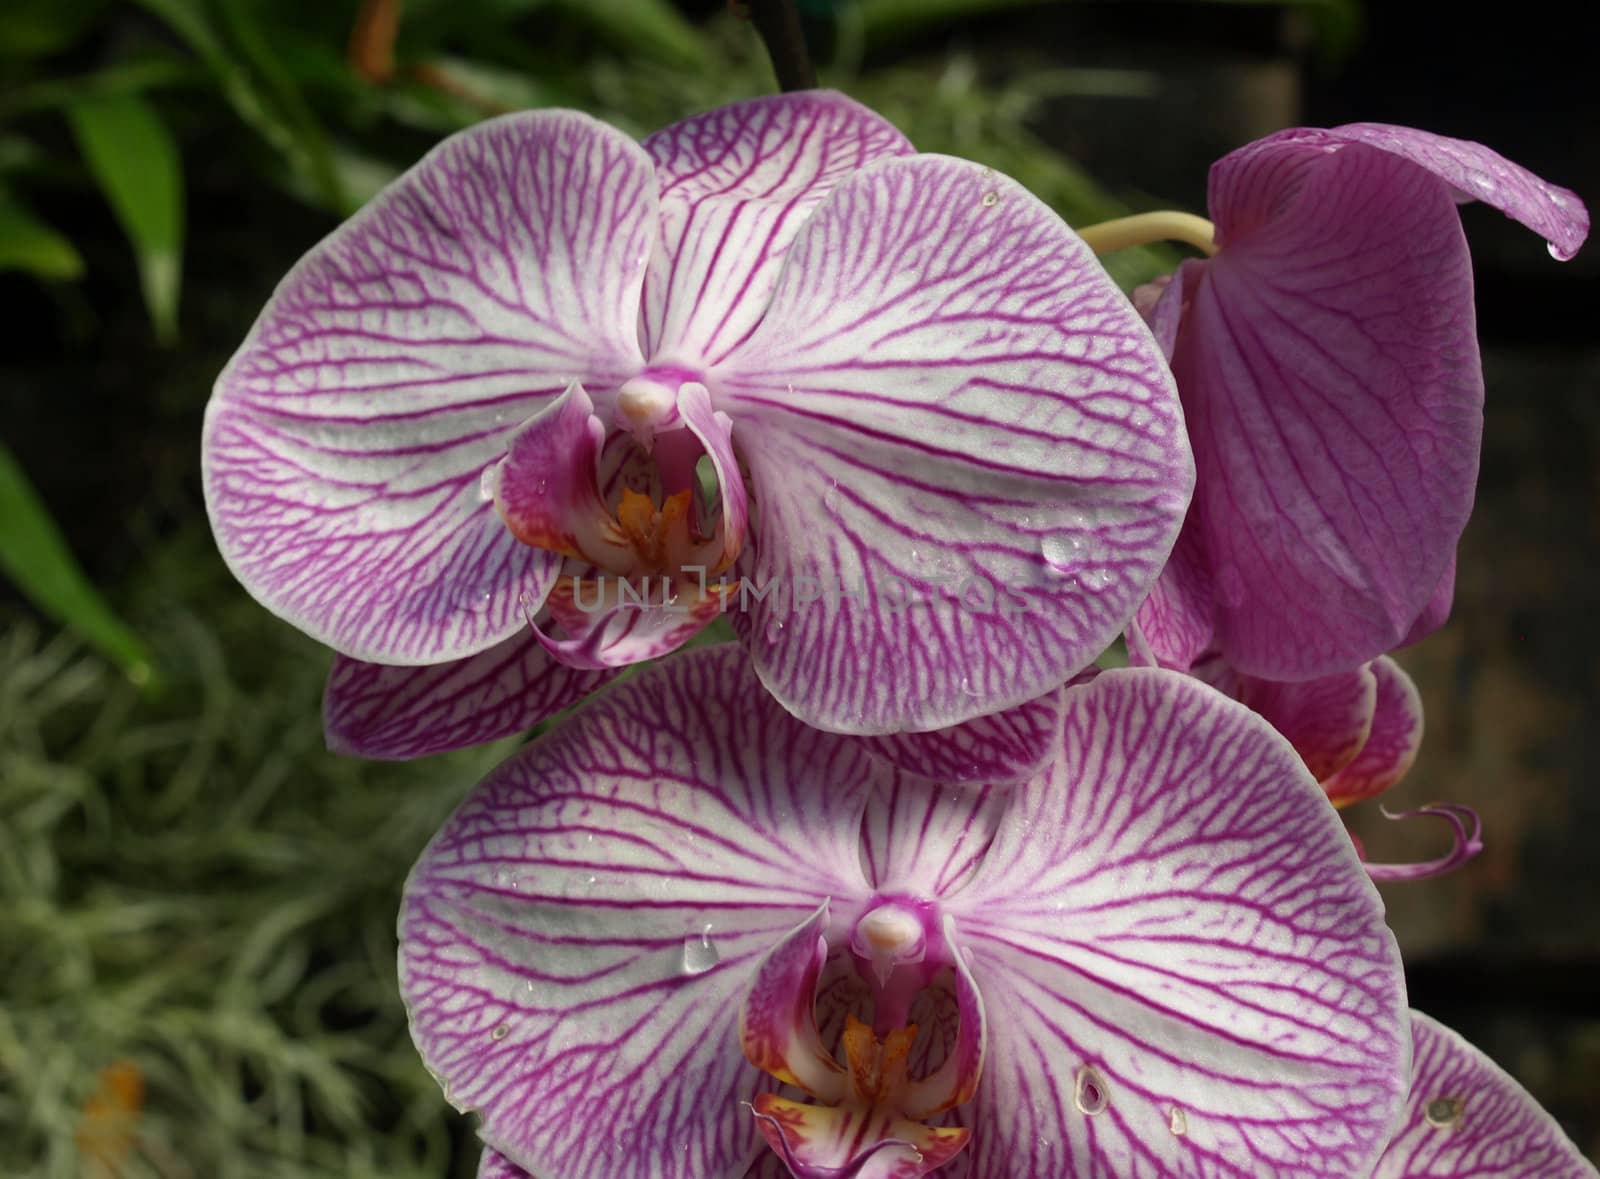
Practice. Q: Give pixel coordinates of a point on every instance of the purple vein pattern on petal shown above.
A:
(1472, 171)
(951, 411)
(1329, 370)
(494, 1165)
(1468, 1117)
(577, 940)
(1173, 917)
(394, 713)
(345, 442)
(736, 184)
(1000, 748)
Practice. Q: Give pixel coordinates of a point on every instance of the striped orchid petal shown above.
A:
(1204, 971)
(577, 941)
(1467, 1118)
(1328, 364)
(960, 431)
(1002, 747)
(346, 442)
(1118, 947)
(736, 184)
(395, 713)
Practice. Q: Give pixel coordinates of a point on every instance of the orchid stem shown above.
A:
(1143, 228)
(778, 22)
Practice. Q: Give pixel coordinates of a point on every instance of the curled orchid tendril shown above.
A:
(1467, 844)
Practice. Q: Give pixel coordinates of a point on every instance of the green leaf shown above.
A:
(652, 27)
(37, 28)
(135, 161)
(26, 243)
(271, 104)
(35, 557)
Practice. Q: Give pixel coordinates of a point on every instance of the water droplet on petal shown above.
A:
(1089, 1094)
(1061, 552)
(774, 630)
(700, 952)
(1444, 1113)
(830, 497)
(1178, 1122)
(486, 483)
(501, 1031)
(991, 199)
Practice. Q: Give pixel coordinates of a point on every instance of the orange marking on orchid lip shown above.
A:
(660, 537)
(877, 1070)
(105, 1134)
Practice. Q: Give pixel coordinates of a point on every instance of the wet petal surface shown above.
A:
(962, 435)
(1204, 972)
(578, 939)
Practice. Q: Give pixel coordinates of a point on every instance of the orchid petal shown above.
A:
(962, 433)
(611, 623)
(1391, 746)
(1437, 612)
(1163, 301)
(1173, 924)
(494, 1165)
(827, 1142)
(1467, 1116)
(1329, 370)
(1175, 621)
(715, 432)
(393, 713)
(956, 1079)
(1328, 720)
(547, 488)
(1466, 844)
(345, 442)
(736, 184)
(1472, 171)
(577, 940)
(927, 840)
(1000, 748)
(778, 1022)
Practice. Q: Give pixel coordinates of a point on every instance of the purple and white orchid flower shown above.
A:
(1327, 358)
(552, 375)
(1467, 1119)
(685, 936)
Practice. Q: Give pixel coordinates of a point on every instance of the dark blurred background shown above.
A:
(195, 896)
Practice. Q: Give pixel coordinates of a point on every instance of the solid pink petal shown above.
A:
(1393, 742)
(1474, 173)
(960, 430)
(1328, 720)
(394, 713)
(547, 487)
(1187, 969)
(736, 184)
(1329, 371)
(345, 442)
(1467, 1117)
(576, 942)
(1004, 747)
(1437, 612)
